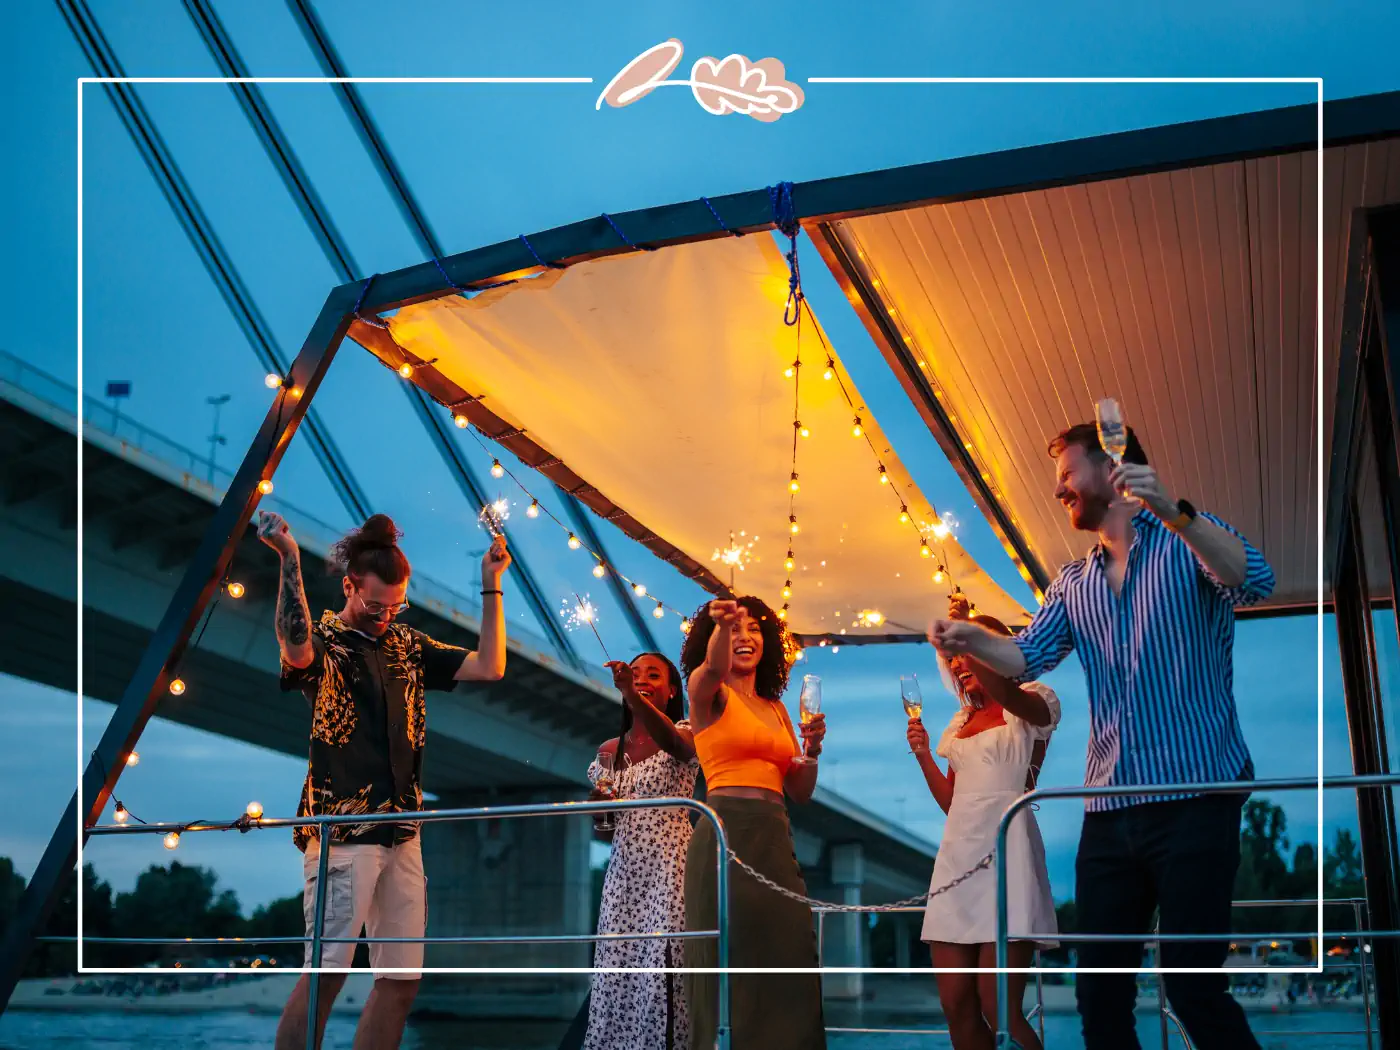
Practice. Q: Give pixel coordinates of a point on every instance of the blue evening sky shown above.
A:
(490, 162)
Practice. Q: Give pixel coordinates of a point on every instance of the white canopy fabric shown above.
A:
(659, 378)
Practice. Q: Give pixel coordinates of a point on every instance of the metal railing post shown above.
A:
(318, 929)
(1362, 962)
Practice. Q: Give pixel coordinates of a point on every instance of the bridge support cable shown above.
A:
(200, 231)
(160, 660)
(413, 214)
(338, 253)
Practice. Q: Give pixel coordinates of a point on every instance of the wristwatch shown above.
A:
(1185, 515)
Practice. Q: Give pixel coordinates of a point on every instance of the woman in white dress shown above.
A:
(994, 745)
(644, 888)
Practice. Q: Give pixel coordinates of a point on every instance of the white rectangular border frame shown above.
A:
(81, 764)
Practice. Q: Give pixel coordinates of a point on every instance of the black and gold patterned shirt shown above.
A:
(368, 725)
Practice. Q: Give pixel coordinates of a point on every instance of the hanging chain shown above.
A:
(812, 902)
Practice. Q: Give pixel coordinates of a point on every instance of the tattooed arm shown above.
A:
(293, 616)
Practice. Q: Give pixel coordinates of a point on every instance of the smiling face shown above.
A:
(371, 604)
(652, 679)
(1082, 486)
(747, 644)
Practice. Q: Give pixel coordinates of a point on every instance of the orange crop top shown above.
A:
(744, 750)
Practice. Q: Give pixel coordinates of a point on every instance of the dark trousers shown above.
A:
(1180, 858)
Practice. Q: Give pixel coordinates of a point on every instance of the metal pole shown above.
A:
(1039, 998)
(318, 927)
(1362, 975)
(1003, 1032)
(821, 934)
(722, 924)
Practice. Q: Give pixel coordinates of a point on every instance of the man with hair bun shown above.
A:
(364, 675)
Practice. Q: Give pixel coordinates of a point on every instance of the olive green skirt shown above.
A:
(781, 1011)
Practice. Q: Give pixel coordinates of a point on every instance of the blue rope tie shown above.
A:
(785, 218)
(364, 291)
(450, 282)
(547, 265)
(722, 226)
(625, 239)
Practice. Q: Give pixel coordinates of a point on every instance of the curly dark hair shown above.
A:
(372, 548)
(1086, 436)
(771, 677)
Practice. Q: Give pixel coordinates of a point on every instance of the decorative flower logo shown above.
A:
(732, 85)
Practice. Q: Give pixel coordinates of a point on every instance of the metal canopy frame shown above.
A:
(826, 200)
(1368, 414)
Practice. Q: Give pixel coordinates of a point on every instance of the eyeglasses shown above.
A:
(376, 611)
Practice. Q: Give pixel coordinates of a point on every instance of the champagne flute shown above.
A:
(810, 704)
(1113, 433)
(604, 821)
(912, 698)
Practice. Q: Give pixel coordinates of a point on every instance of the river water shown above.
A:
(235, 1031)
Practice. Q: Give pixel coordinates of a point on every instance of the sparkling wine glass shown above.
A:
(605, 821)
(912, 698)
(810, 704)
(1113, 433)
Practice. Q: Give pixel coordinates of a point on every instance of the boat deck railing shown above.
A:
(317, 938)
(1156, 938)
(1361, 935)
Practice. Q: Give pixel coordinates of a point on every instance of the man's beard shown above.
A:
(1093, 510)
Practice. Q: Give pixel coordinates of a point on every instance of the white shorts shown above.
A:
(380, 889)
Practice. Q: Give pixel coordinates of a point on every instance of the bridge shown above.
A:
(529, 737)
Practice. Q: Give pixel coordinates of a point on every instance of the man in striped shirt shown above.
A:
(1150, 612)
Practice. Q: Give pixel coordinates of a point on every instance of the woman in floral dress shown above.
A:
(643, 891)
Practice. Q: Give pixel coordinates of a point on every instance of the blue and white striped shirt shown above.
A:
(1159, 659)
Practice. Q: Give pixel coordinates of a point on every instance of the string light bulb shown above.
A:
(497, 471)
(639, 589)
(782, 613)
(461, 421)
(574, 544)
(133, 758)
(788, 563)
(903, 514)
(599, 571)
(658, 612)
(793, 486)
(884, 477)
(830, 372)
(856, 430)
(533, 510)
(177, 686)
(791, 370)
(273, 381)
(172, 839)
(938, 576)
(924, 552)
(685, 627)
(265, 487)
(406, 370)
(120, 815)
(254, 810)
(803, 430)
(235, 589)
(787, 589)
(792, 524)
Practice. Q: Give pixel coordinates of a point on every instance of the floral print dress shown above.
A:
(643, 892)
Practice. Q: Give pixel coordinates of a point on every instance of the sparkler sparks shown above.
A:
(493, 516)
(578, 613)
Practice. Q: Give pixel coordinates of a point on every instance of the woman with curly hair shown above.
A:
(735, 659)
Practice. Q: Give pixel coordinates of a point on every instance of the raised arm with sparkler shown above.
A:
(488, 663)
